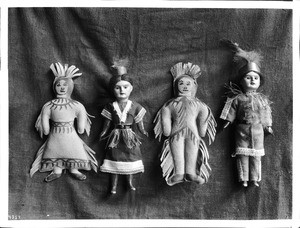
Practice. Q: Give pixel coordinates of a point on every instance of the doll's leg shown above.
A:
(114, 182)
(177, 148)
(191, 155)
(78, 175)
(243, 169)
(255, 169)
(55, 174)
(129, 180)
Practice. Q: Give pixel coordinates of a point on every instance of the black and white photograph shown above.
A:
(158, 115)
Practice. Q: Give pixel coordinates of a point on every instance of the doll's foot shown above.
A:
(114, 183)
(256, 183)
(245, 184)
(130, 185)
(194, 178)
(52, 176)
(113, 190)
(79, 176)
(132, 188)
(177, 178)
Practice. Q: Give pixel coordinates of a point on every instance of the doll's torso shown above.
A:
(252, 108)
(62, 110)
(184, 113)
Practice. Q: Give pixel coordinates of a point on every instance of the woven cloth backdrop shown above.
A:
(154, 39)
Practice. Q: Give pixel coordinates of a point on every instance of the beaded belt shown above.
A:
(120, 126)
(63, 124)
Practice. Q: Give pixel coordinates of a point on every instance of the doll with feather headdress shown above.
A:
(185, 120)
(250, 111)
(122, 119)
(63, 149)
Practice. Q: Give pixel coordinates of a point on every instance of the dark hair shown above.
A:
(115, 79)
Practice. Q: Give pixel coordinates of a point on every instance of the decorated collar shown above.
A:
(62, 103)
(122, 114)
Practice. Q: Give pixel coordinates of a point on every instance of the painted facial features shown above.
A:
(61, 87)
(250, 82)
(122, 90)
(185, 86)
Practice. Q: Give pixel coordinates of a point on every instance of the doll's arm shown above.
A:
(141, 128)
(106, 126)
(203, 120)
(268, 118)
(166, 121)
(229, 111)
(269, 130)
(45, 117)
(226, 124)
(81, 119)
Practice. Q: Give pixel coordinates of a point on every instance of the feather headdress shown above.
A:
(64, 71)
(121, 65)
(188, 69)
(246, 61)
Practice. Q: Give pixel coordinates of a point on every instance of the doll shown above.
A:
(250, 111)
(63, 148)
(185, 120)
(123, 155)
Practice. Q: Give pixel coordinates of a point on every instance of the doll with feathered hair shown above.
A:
(121, 119)
(185, 120)
(250, 111)
(63, 149)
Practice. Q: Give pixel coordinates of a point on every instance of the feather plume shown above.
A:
(64, 71)
(120, 62)
(185, 69)
(241, 55)
(121, 65)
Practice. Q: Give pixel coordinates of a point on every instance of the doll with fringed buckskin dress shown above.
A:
(250, 111)
(63, 149)
(185, 120)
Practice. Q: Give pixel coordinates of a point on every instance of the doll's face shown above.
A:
(185, 86)
(122, 90)
(250, 82)
(61, 87)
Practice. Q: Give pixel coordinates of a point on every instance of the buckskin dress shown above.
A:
(184, 151)
(63, 147)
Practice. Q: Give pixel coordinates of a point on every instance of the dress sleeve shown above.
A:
(139, 113)
(229, 110)
(267, 113)
(107, 112)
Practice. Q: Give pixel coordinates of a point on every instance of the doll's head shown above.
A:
(185, 86)
(185, 76)
(63, 87)
(63, 84)
(250, 82)
(121, 86)
(250, 77)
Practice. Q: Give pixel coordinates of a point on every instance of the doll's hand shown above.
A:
(269, 130)
(226, 124)
(102, 135)
(145, 133)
